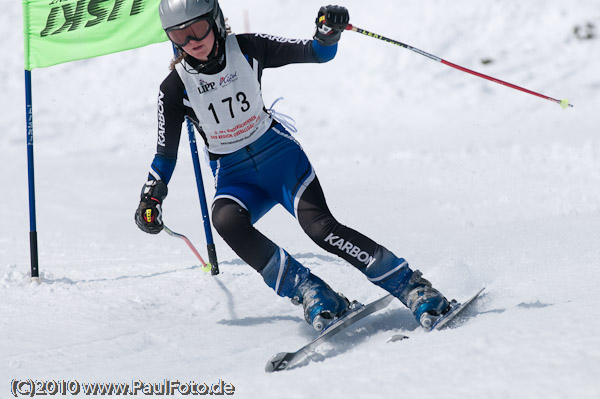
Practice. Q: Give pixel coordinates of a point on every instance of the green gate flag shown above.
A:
(58, 31)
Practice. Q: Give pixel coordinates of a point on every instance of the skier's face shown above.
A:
(200, 49)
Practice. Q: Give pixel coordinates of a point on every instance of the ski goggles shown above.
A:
(196, 29)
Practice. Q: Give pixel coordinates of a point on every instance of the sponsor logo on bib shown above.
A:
(205, 87)
(228, 79)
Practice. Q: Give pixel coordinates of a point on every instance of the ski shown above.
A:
(283, 360)
(452, 313)
(440, 323)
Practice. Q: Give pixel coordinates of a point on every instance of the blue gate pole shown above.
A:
(210, 245)
(33, 245)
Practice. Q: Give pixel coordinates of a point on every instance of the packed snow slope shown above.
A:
(474, 183)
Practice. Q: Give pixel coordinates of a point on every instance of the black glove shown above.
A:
(331, 22)
(148, 215)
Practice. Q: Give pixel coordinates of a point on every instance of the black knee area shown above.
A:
(234, 224)
(229, 217)
(318, 225)
(313, 214)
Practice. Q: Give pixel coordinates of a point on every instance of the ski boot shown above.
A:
(426, 303)
(321, 304)
(288, 278)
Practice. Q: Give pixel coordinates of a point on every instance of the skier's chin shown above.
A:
(200, 52)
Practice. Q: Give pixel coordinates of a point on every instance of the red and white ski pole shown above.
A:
(563, 103)
(206, 267)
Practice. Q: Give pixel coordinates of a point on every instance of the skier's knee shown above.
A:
(228, 216)
(319, 226)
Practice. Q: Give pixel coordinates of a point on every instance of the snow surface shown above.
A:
(473, 183)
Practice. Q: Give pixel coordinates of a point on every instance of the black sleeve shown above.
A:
(171, 114)
(273, 51)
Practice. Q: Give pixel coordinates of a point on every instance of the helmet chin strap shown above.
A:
(215, 50)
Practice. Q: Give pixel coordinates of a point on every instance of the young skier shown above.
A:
(257, 164)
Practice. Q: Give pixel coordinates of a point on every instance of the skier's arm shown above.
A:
(170, 116)
(272, 51)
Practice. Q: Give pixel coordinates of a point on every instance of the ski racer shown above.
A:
(257, 163)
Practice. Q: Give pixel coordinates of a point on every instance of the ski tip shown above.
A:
(456, 309)
(278, 362)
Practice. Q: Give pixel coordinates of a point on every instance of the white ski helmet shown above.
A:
(178, 12)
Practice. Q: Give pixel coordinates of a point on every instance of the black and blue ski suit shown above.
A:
(267, 165)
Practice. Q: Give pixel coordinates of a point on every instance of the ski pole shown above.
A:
(563, 103)
(210, 245)
(206, 267)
